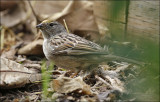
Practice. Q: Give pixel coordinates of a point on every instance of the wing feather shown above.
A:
(70, 44)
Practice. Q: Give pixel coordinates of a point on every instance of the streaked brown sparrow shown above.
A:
(71, 51)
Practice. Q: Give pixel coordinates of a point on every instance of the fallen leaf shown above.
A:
(33, 48)
(14, 75)
(68, 85)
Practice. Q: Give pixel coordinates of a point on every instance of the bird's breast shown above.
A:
(46, 50)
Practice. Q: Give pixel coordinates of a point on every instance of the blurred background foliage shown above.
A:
(145, 87)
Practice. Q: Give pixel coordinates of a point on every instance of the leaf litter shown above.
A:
(21, 55)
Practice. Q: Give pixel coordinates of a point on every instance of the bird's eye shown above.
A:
(51, 24)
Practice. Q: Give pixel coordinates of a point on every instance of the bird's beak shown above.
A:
(39, 26)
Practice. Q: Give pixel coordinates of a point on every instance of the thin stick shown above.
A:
(34, 13)
(65, 25)
(2, 37)
(102, 80)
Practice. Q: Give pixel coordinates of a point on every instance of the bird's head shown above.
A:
(49, 28)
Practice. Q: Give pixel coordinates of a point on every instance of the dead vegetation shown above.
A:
(21, 55)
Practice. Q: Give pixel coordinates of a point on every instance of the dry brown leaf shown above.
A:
(14, 75)
(68, 85)
(33, 48)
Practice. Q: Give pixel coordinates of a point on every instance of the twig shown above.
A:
(36, 98)
(35, 93)
(2, 37)
(100, 79)
(34, 13)
(65, 25)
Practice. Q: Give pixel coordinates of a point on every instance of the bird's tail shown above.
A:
(118, 58)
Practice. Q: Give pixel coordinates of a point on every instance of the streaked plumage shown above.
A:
(70, 44)
(71, 51)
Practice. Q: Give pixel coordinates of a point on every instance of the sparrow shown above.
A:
(71, 51)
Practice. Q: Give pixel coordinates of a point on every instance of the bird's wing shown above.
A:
(70, 44)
